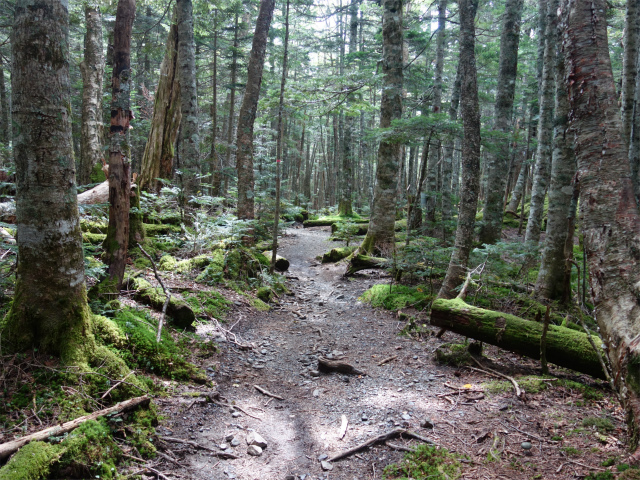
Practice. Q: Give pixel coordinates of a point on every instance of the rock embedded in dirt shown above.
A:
(426, 423)
(254, 450)
(326, 466)
(322, 457)
(256, 439)
(223, 446)
(235, 442)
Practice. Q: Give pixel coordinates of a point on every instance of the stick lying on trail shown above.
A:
(267, 393)
(201, 447)
(396, 432)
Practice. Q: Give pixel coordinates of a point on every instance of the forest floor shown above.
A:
(573, 422)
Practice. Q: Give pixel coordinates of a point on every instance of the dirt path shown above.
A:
(323, 316)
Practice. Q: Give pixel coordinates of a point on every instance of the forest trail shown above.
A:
(323, 316)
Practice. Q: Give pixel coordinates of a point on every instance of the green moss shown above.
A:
(337, 254)
(93, 238)
(93, 226)
(260, 305)
(601, 424)
(630, 474)
(97, 174)
(572, 451)
(265, 294)
(178, 311)
(154, 230)
(210, 303)
(426, 462)
(456, 354)
(605, 476)
(395, 297)
(143, 422)
(214, 272)
(31, 462)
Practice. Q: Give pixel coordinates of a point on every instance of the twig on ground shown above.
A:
(245, 412)
(398, 447)
(387, 360)
(201, 447)
(267, 392)
(168, 458)
(586, 466)
(516, 387)
(396, 432)
(119, 382)
(166, 291)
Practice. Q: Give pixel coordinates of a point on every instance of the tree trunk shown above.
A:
(631, 41)
(92, 69)
(380, 236)
(117, 240)
(232, 104)
(545, 132)
(5, 125)
(610, 221)
(470, 187)
(551, 276)
(247, 114)
(449, 152)
(565, 347)
(215, 159)
(634, 134)
(49, 309)
(157, 161)
(497, 163)
(189, 128)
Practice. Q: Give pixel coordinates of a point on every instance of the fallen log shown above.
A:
(326, 365)
(282, 264)
(364, 262)
(8, 448)
(395, 433)
(95, 195)
(336, 254)
(327, 222)
(565, 347)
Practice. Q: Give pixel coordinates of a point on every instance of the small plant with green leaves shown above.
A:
(346, 230)
(425, 462)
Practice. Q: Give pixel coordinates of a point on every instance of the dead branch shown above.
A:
(267, 392)
(396, 432)
(402, 448)
(326, 366)
(516, 387)
(8, 448)
(166, 291)
(119, 382)
(201, 447)
(387, 360)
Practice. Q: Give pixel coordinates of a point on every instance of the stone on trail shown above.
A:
(254, 450)
(426, 423)
(326, 466)
(256, 439)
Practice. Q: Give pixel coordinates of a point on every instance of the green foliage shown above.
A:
(346, 230)
(456, 354)
(424, 259)
(600, 476)
(208, 303)
(601, 424)
(425, 462)
(395, 297)
(31, 462)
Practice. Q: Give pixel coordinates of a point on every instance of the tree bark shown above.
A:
(470, 187)
(551, 276)
(634, 133)
(5, 125)
(380, 236)
(497, 163)
(449, 152)
(49, 309)
(631, 41)
(545, 133)
(157, 161)
(565, 347)
(92, 69)
(117, 240)
(610, 221)
(247, 114)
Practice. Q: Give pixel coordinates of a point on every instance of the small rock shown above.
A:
(314, 373)
(290, 477)
(263, 351)
(406, 416)
(235, 442)
(326, 466)
(255, 438)
(426, 423)
(254, 450)
(223, 446)
(322, 457)
(238, 304)
(229, 437)
(339, 297)
(364, 418)
(316, 392)
(236, 414)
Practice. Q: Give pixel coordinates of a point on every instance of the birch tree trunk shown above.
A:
(610, 221)
(189, 129)
(92, 70)
(470, 187)
(551, 276)
(247, 114)
(497, 163)
(49, 309)
(545, 133)
(380, 235)
(117, 240)
(157, 161)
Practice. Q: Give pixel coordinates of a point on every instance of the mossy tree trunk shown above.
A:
(381, 232)
(609, 217)
(189, 144)
(117, 240)
(247, 114)
(470, 187)
(551, 276)
(92, 69)
(157, 161)
(498, 162)
(49, 309)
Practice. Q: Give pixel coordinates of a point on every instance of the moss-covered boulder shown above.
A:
(237, 264)
(337, 254)
(265, 294)
(282, 264)
(179, 312)
(208, 304)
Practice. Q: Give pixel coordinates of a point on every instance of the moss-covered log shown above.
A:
(178, 311)
(565, 347)
(282, 264)
(329, 221)
(362, 228)
(364, 262)
(337, 254)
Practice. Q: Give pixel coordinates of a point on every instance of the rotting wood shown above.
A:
(8, 448)
(326, 365)
(387, 360)
(267, 393)
(565, 347)
(197, 445)
(395, 433)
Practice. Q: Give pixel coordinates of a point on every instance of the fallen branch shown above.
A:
(119, 382)
(326, 366)
(245, 412)
(164, 289)
(396, 432)
(201, 447)
(387, 360)
(8, 448)
(402, 448)
(267, 393)
(516, 387)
